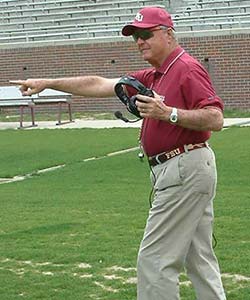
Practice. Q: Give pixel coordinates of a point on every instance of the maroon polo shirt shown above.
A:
(183, 83)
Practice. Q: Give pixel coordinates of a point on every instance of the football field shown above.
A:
(72, 221)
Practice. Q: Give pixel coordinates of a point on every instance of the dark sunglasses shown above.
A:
(144, 34)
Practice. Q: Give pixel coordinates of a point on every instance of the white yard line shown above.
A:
(29, 175)
(53, 168)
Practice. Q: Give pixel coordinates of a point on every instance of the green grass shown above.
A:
(25, 151)
(74, 233)
(14, 117)
(236, 113)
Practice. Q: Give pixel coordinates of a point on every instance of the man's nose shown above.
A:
(140, 41)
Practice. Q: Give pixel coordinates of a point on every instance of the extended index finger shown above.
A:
(23, 86)
(18, 82)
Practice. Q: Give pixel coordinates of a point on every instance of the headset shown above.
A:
(130, 101)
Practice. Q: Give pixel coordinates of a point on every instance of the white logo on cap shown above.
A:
(139, 17)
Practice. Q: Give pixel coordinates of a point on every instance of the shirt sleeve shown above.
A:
(198, 90)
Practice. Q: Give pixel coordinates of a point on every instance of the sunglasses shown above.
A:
(144, 34)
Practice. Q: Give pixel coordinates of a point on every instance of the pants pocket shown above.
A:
(205, 178)
(167, 175)
(200, 170)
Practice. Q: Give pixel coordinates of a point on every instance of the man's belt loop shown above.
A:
(186, 148)
(157, 160)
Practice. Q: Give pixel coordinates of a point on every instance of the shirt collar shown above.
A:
(169, 60)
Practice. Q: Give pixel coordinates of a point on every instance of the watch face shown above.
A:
(173, 117)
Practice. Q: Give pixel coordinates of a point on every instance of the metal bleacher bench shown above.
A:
(49, 96)
(11, 97)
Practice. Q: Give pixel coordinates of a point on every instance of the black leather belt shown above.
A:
(163, 157)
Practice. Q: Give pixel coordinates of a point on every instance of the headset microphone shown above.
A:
(120, 116)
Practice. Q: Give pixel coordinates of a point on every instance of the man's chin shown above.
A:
(145, 56)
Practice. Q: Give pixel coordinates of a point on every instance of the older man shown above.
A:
(177, 123)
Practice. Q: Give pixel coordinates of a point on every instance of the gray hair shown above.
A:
(173, 32)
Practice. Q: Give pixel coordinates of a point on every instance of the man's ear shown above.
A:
(170, 32)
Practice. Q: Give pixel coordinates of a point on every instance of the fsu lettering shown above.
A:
(173, 153)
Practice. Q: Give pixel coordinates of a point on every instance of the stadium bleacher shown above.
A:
(204, 3)
(212, 15)
(29, 21)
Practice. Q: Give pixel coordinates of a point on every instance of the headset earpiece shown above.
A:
(130, 102)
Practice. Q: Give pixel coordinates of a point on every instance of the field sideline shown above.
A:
(98, 123)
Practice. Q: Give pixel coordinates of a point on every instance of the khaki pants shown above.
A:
(179, 230)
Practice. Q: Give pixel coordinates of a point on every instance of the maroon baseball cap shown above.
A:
(148, 17)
